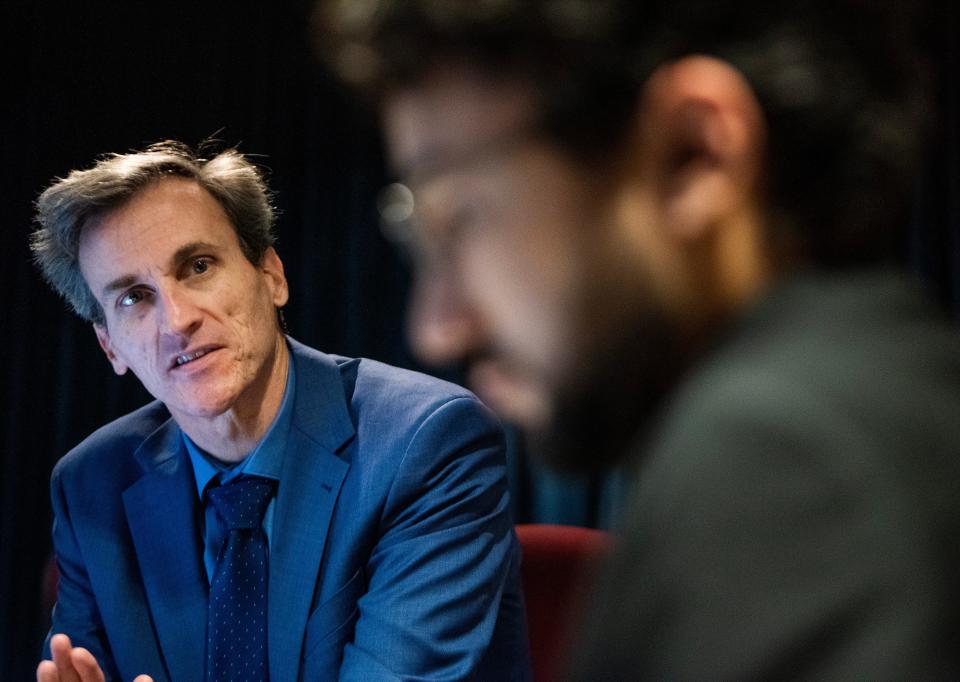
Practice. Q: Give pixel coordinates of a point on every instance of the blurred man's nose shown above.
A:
(443, 326)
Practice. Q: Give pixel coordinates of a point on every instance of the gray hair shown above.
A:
(70, 203)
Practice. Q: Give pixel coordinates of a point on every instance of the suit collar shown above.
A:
(306, 499)
(321, 402)
(313, 472)
(161, 511)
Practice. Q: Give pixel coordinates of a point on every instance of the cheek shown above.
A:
(236, 303)
(522, 291)
(491, 277)
(137, 354)
(535, 257)
(250, 317)
(128, 345)
(534, 278)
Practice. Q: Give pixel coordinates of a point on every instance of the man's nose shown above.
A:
(443, 326)
(179, 313)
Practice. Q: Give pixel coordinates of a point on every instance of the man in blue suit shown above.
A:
(384, 511)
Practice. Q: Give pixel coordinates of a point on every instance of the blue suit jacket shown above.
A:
(392, 555)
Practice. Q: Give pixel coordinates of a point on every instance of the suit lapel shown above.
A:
(309, 485)
(161, 511)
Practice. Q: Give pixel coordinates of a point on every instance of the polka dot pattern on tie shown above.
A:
(237, 614)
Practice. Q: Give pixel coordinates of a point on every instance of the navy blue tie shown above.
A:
(237, 615)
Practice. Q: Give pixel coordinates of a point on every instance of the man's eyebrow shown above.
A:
(187, 250)
(119, 283)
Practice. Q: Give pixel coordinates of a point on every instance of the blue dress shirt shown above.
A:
(266, 459)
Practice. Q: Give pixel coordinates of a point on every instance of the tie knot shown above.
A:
(242, 502)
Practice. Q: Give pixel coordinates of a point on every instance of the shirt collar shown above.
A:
(266, 459)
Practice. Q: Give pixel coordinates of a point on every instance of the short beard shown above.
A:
(622, 380)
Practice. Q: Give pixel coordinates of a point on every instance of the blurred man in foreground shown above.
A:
(276, 513)
(661, 232)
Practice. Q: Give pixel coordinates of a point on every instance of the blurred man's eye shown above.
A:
(440, 236)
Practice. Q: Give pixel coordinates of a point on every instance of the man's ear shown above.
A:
(103, 336)
(701, 142)
(272, 268)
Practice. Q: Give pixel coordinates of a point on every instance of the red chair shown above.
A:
(51, 581)
(557, 567)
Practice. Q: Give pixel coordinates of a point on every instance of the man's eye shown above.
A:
(130, 298)
(200, 266)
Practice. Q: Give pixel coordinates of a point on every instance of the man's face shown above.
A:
(185, 310)
(519, 270)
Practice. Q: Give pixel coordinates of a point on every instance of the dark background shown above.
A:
(80, 79)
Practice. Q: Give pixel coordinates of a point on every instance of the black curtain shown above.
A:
(84, 78)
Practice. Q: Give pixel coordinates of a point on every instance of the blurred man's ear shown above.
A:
(700, 146)
(103, 336)
(689, 197)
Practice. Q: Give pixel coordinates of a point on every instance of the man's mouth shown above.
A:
(186, 358)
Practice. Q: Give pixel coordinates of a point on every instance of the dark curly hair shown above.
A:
(841, 82)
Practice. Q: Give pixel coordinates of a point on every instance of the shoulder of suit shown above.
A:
(852, 378)
(111, 447)
(366, 381)
(375, 383)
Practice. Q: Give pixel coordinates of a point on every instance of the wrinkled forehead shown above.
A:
(451, 112)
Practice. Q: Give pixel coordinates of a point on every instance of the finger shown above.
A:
(47, 672)
(60, 647)
(61, 643)
(86, 665)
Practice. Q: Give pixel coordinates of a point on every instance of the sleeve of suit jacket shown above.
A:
(437, 573)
